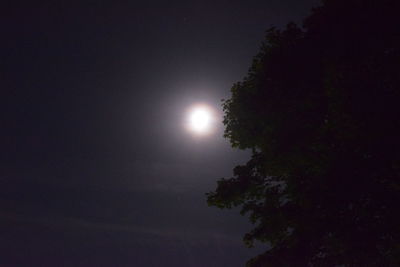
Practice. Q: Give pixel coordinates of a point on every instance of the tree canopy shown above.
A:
(319, 109)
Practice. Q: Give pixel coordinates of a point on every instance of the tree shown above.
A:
(319, 109)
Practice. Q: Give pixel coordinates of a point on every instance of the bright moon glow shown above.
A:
(200, 119)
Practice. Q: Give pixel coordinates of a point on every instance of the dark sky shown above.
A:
(96, 168)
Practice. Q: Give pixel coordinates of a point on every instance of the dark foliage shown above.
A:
(319, 108)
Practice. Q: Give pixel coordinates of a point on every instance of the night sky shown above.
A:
(96, 166)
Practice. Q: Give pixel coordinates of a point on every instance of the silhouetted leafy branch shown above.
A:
(319, 109)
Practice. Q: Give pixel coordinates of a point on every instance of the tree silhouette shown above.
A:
(319, 108)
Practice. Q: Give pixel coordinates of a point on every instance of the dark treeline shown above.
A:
(319, 108)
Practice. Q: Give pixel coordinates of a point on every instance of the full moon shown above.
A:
(200, 119)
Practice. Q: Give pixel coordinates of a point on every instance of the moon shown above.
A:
(200, 119)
